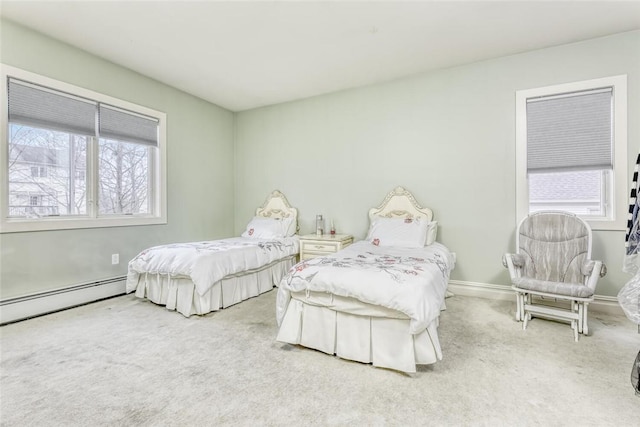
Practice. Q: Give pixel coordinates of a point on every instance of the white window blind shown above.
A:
(122, 125)
(41, 107)
(571, 131)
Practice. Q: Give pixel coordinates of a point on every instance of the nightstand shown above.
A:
(312, 245)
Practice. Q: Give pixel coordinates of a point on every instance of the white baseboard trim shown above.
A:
(24, 307)
(601, 303)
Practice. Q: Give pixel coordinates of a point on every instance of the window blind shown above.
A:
(570, 131)
(123, 125)
(41, 107)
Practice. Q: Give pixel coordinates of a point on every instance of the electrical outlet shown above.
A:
(115, 259)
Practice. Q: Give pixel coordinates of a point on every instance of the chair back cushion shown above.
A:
(554, 245)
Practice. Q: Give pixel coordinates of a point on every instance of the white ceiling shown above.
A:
(241, 55)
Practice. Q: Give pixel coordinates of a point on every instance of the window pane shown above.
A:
(43, 165)
(123, 177)
(580, 192)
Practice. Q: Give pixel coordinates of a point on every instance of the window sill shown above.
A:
(606, 225)
(59, 223)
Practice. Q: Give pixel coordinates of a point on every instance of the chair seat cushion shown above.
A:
(577, 290)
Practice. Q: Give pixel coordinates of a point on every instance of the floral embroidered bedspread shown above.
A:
(205, 263)
(412, 281)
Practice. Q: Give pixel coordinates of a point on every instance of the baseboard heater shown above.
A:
(37, 304)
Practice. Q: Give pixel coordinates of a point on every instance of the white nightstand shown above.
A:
(312, 245)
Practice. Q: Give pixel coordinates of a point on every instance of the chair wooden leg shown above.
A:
(518, 306)
(585, 327)
(580, 317)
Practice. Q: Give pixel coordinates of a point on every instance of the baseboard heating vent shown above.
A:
(38, 304)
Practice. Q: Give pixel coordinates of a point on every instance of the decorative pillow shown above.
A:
(265, 228)
(408, 233)
(432, 232)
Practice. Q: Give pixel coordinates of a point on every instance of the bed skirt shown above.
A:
(357, 331)
(179, 293)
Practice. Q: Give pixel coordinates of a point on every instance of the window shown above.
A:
(571, 148)
(38, 172)
(124, 172)
(76, 159)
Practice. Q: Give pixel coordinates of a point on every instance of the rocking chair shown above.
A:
(553, 261)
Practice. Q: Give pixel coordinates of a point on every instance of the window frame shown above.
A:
(157, 174)
(618, 176)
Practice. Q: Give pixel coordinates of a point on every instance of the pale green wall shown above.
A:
(447, 135)
(199, 184)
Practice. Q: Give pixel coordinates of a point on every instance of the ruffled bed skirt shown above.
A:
(180, 294)
(356, 331)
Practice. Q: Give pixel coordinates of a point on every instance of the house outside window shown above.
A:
(77, 159)
(50, 156)
(571, 150)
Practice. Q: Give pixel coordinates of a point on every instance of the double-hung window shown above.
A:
(73, 158)
(571, 148)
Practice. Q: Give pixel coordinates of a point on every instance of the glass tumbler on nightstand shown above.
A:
(319, 225)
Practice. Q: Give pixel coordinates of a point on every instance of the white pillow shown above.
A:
(290, 226)
(408, 233)
(265, 228)
(432, 232)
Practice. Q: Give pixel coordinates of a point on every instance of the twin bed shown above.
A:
(201, 277)
(377, 301)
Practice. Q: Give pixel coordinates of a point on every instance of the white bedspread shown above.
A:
(205, 263)
(412, 281)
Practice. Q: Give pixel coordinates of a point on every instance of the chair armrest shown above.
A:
(515, 264)
(590, 267)
(516, 259)
(593, 270)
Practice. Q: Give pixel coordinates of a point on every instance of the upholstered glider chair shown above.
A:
(553, 262)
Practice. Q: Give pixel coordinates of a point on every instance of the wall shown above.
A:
(446, 135)
(199, 150)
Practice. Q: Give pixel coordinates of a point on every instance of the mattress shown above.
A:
(180, 293)
(410, 280)
(371, 304)
(206, 263)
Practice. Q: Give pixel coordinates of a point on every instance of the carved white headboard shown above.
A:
(277, 206)
(400, 203)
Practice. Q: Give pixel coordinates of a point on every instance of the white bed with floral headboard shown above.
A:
(377, 301)
(200, 277)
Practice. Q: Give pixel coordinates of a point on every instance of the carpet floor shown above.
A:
(125, 361)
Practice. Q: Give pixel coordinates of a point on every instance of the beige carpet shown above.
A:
(125, 361)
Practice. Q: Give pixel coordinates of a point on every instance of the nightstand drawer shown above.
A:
(320, 246)
(312, 246)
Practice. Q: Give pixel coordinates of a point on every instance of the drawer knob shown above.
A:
(319, 247)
